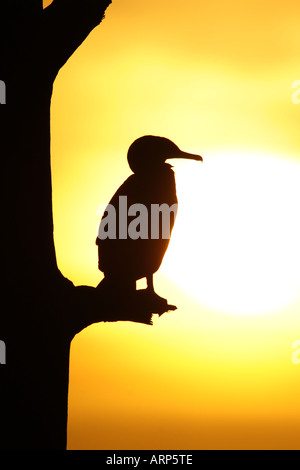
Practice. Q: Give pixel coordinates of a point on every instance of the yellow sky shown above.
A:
(216, 77)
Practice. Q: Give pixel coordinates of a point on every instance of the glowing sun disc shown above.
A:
(235, 246)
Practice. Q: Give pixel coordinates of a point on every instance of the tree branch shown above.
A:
(88, 305)
(65, 25)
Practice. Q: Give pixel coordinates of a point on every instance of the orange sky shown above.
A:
(216, 77)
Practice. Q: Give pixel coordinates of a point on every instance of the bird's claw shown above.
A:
(157, 304)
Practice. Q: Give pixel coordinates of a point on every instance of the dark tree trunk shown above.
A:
(41, 310)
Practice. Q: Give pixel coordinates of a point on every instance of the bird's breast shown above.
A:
(137, 232)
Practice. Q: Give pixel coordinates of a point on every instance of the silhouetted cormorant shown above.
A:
(133, 237)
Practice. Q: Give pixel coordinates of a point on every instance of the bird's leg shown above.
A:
(152, 294)
(150, 285)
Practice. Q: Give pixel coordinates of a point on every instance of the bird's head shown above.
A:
(149, 154)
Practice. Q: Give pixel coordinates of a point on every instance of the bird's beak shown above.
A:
(188, 156)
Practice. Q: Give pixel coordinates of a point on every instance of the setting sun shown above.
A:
(235, 245)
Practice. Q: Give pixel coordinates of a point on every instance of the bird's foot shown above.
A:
(144, 300)
(158, 304)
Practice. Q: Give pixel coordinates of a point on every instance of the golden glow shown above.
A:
(215, 77)
(196, 379)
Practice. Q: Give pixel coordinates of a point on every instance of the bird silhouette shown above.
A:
(132, 246)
